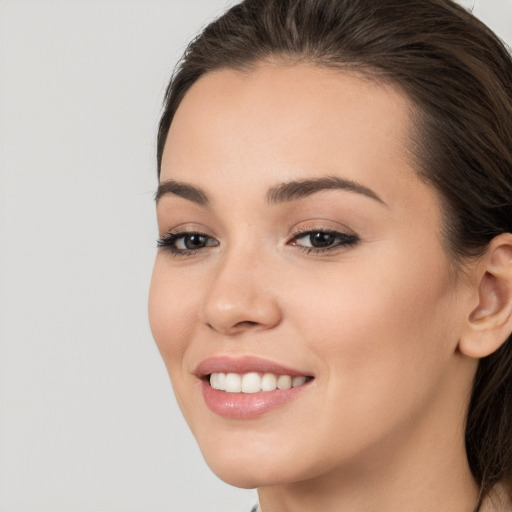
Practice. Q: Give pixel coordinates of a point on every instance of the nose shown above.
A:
(241, 297)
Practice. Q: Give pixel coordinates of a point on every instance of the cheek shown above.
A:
(174, 316)
(370, 300)
(385, 328)
(173, 312)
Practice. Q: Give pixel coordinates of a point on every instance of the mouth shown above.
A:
(254, 382)
(246, 388)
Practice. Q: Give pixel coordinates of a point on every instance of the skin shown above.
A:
(377, 323)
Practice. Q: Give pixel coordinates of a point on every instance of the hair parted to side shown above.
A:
(458, 76)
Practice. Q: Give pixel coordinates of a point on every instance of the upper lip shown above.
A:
(245, 364)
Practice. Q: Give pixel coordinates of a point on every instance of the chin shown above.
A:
(241, 467)
(249, 475)
(237, 477)
(256, 463)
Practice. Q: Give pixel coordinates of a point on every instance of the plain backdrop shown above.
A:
(88, 422)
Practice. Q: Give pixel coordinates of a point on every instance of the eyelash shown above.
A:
(167, 242)
(343, 240)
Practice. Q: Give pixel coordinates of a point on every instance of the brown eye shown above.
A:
(186, 243)
(320, 239)
(317, 240)
(192, 241)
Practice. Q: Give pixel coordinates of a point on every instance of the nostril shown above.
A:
(246, 323)
(235, 328)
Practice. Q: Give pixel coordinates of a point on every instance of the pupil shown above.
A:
(195, 241)
(322, 239)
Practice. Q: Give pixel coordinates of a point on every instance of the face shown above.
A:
(298, 247)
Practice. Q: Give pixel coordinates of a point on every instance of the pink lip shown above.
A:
(226, 364)
(244, 406)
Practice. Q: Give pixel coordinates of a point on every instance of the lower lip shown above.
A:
(245, 406)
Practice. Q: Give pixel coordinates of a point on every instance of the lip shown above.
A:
(246, 364)
(246, 406)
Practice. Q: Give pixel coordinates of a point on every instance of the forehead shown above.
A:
(280, 122)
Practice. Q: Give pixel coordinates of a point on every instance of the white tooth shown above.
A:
(298, 381)
(268, 382)
(218, 381)
(251, 383)
(233, 383)
(284, 382)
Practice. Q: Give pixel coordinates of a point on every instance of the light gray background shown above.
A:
(88, 420)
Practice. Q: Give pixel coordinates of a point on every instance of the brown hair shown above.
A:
(459, 76)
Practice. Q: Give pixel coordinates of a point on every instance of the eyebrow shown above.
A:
(184, 190)
(282, 193)
(295, 190)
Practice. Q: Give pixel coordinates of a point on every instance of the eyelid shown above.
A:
(321, 225)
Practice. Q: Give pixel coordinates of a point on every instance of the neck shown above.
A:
(497, 500)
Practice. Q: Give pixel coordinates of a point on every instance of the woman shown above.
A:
(332, 295)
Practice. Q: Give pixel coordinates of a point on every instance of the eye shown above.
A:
(186, 243)
(320, 241)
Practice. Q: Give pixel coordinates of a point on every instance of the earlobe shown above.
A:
(489, 324)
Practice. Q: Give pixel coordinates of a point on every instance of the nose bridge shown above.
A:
(240, 294)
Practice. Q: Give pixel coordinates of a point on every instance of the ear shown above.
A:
(489, 324)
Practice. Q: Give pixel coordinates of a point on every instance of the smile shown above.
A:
(254, 382)
(244, 388)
